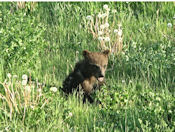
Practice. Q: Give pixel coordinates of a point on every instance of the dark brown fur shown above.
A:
(87, 72)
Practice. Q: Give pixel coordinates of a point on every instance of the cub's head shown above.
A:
(97, 62)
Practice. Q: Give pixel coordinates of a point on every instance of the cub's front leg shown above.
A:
(87, 87)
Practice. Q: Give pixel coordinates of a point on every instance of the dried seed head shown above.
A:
(107, 39)
(70, 114)
(24, 77)
(120, 33)
(105, 7)
(106, 25)
(102, 26)
(39, 90)
(100, 38)
(53, 89)
(115, 31)
(89, 17)
(169, 25)
(100, 33)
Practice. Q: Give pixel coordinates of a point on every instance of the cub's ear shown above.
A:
(106, 52)
(86, 53)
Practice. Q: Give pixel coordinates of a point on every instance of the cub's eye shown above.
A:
(94, 66)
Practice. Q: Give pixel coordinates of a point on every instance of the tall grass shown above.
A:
(139, 90)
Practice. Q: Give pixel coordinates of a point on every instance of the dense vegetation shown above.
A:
(40, 44)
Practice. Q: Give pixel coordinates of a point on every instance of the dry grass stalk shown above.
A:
(108, 36)
(18, 97)
(25, 5)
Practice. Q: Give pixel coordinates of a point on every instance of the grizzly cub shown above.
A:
(88, 72)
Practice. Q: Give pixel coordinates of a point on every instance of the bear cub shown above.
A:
(89, 73)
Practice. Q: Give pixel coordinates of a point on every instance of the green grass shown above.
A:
(45, 42)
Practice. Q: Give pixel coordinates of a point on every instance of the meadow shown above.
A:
(41, 42)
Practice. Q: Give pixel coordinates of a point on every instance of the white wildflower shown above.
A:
(106, 25)
(170, 111)
(102, 26)
(9, 75)
(115, 31)
(134, 45)
(174, 17)
(107, 39)
(33, 107)
(100, 33)
(169, 25)
(6, 129)
(53, 89)
(123, 81)
(89, 17)
(105, 7)
(24, 82)
(39, 90)
(120, 33)
(100, 38)
(114, 11)
(24, 77)
(70, 114)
